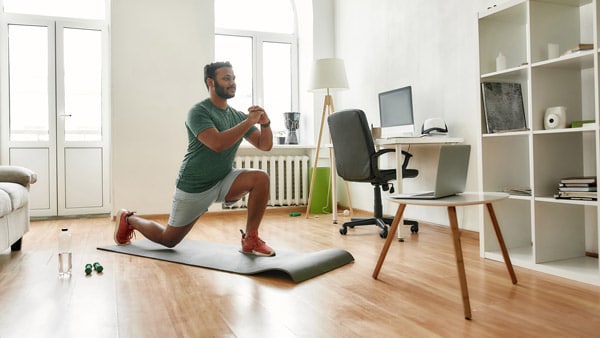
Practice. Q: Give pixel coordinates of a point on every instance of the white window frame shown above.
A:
(258, 38)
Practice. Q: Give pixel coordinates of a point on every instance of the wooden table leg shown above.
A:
(389, 239)
(462, 277)
(505, 255)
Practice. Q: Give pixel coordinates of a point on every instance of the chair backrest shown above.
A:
(352, 144)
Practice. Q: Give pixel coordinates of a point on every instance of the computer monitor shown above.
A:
(396, 113)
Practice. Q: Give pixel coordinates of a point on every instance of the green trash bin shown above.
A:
(321, 195)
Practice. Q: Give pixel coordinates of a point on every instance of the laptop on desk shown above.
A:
(451, 177)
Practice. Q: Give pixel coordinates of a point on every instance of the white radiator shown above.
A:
(288, 174)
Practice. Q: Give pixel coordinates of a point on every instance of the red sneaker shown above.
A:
(123, 231)
(252, 244)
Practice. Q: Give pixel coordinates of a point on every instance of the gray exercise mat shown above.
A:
(227, 257)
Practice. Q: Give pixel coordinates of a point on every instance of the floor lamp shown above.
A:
(327, 75)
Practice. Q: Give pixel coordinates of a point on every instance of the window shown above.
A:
(82, 71)
(28, 82)
(88, 9)
(259, 38)
(54, 71)
(276, 16)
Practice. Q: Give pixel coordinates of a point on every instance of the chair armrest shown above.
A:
(375, 158)
(17, 174)
(381, 152)
(407, 157)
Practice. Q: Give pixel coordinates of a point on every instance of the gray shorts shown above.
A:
(187, 207)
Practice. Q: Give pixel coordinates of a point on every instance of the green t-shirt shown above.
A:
(202, 167)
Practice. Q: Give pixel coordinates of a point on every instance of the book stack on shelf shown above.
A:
(519, 191)
(580, 47)
(583, 123)
(578, 188)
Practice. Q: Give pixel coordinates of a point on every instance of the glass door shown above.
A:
(55, 105)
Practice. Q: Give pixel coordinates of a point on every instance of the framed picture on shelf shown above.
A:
(503, 107)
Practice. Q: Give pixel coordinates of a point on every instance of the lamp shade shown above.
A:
(328, 74)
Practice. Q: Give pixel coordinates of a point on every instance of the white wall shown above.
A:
(158, 51)
(431, 45)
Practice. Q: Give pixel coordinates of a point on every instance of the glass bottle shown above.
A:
(65, 263)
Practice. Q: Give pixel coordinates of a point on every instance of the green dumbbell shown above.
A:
(88, 269)
(98, 267)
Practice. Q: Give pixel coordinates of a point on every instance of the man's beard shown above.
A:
(222, 91)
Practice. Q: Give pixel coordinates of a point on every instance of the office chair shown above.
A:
(356, 160)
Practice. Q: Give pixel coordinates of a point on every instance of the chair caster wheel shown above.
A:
(343, 230)
(383, 234)
(414, 229)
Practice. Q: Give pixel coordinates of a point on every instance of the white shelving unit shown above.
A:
(559, 237)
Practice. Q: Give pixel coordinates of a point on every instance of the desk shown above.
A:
(451, 203)
(397, 143)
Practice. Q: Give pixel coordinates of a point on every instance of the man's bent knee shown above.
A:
(246, 182)
(171, 243)
(173, 235)
(262, 177)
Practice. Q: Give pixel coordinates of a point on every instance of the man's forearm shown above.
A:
(266, 137)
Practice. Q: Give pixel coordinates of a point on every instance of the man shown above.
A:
(215, 131)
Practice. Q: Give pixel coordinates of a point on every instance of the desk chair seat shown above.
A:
(357, 160)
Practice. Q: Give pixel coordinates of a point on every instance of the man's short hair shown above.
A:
(210, 70)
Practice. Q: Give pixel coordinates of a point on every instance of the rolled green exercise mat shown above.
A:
(295, 214)
(321, 193)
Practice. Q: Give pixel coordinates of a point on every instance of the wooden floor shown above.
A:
(417, 294)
